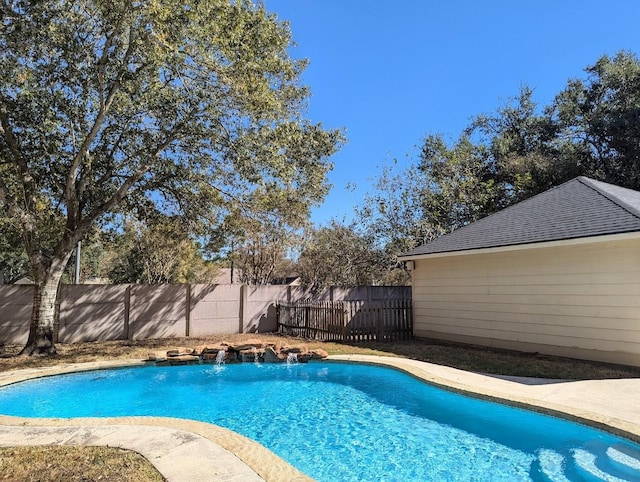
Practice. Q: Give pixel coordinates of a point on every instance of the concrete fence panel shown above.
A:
(259, 307)
(308, 293)
(16, 303)
(214, 309)
(158, 311)
(350, 294)
(92, 313)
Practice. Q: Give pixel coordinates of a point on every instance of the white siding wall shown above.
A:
(579, 301)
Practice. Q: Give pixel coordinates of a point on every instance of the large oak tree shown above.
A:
(159, 107)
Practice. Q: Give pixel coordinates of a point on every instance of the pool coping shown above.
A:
(580, 401)
(575, 400)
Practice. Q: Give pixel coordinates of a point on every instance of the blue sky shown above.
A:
(392, 72)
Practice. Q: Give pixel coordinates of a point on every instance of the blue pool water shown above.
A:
(344, 422)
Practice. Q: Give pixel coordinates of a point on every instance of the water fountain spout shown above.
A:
(220, 357)
(256, 358)
(292, 358)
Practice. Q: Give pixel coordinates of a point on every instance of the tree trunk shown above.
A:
(41, 330)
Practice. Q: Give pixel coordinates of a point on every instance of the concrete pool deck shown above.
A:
(188, 450)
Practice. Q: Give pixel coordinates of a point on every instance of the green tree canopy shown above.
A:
(591, 128)
(260, 248)
(448, 187)
(342, 255)
(157, 254)
(159, 108)
(14, 263)
(598, 120)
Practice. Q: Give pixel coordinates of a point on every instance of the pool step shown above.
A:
(586, 462)
(625, 456)
(596, 462)
(549, 467)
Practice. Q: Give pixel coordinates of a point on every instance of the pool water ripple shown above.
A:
(344, 422)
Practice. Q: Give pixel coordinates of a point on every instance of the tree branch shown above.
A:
(105, 105)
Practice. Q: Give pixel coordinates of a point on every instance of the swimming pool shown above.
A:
(343, 422)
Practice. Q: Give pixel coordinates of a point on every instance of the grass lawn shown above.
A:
(75, 464)
(109, 464)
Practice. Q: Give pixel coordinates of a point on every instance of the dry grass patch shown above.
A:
(503, 362)
(75, 464)
(470, 358)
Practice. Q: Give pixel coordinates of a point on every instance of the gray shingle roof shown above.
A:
(579, 208)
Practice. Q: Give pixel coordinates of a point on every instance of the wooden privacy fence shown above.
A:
(349, 321)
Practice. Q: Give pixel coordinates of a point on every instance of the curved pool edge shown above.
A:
(610, 405)
(589, 402)
(248, 453)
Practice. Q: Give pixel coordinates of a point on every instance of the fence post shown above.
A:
(187, 315)
(243, 307)
(127, 314)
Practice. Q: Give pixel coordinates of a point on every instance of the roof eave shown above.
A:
(519, 247)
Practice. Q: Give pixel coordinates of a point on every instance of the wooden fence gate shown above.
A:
(349, 321)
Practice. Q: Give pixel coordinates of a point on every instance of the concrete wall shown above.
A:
(120, 312)
(93, 312)
(158, 311)
(215, 310)
(259, 307)
(574, 300)
(15, 313)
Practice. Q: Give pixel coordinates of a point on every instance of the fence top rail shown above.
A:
(341, 303)
(308, 303)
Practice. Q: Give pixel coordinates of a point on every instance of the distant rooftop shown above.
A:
(579, 208)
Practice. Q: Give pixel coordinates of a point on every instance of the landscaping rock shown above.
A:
(209, 356)
(199, 350)
(247, 345)
(214, 349)
(245, 352)
(293, 349)
(179, 352)
(249, 355)
(304, 357)
(157, 356)
(271, 356)
(319, 354)
(183, 359)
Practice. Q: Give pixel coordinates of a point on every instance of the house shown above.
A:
(291, 279)
(23, 281)
(558, 273)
